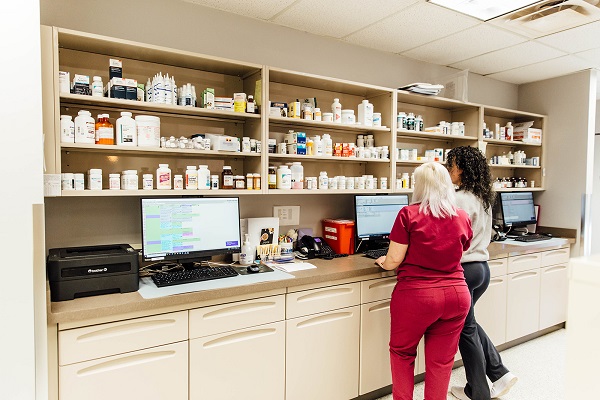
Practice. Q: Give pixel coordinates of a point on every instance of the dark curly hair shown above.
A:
(476, 176)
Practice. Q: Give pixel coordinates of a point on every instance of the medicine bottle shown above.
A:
(272, 177)
(383, 182)
(323, 180)
(95, 179)
(317, 146)
(163, 177)
(114, 181)
(245, 144)
(78, 181)
(203, 177)
(129, 180)
(336, 109)
(249, 181)
(410, 122)
(97, 87)
(191, 178)
(250, 105)
(227, 178)
(178, 182)
(284, 177)
(405, 181)
(317, 114)
(67, 181)
(105, 134)
(297, 174)
(147, 182)
(85, 129)
(419, 123)
(67, 129)
(239, 182)
(126, 130)
(256, 181)
(327, 144)
(214, 182)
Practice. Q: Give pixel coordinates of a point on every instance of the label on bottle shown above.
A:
(128, 133)
(228, 181)
(164, 180)
(104, 132)
(90, 132)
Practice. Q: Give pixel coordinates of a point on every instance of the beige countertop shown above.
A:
(354, 268)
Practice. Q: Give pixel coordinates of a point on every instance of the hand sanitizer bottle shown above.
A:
(247, 254)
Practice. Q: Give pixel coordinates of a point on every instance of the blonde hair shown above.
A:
(434, 190)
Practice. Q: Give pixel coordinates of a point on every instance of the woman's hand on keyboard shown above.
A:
(380, 261)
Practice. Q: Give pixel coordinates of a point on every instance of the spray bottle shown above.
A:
(247, 254)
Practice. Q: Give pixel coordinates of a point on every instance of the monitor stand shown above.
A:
(372, 244)
(191, 263)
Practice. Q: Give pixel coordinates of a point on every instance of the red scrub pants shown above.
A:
(439, 315)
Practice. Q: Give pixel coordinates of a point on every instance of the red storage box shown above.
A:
(339, 234)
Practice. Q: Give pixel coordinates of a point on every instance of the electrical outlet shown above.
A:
(288, 215)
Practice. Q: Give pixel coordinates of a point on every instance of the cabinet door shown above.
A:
(322, 356)
(524, 262)
(490, 310)
(245, 364)
(159, 373)
(319, 300)
(553, 295)
(523, 304)
(377, 289)
(375, 371)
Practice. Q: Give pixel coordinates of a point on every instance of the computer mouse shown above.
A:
(253, 268)
(547, 234)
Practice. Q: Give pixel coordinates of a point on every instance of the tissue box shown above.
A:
(528, 135)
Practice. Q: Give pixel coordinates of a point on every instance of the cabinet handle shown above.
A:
(126, 361)
(380, 306)
(555, 268)
(238, 337)
(496, 281)
(556, 252)
(126, 329)
(523, 275)
(323, 294)
(323, 319)
(386, 283)
(522, 258)
(495, 263)
(239, 309)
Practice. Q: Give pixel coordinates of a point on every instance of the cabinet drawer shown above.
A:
(229, 317)
(90, 342)
(377, 289)
(498, 267)
(156, 373)
(322, 299)
(524, 263)
(553, 257)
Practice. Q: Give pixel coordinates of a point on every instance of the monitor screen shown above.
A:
(375, 215)
(189, 228)
(517, 209)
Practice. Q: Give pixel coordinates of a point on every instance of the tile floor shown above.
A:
(539, 364)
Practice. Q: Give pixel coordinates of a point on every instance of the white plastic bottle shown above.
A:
(173, 91)
(318, 146)
(178, 182)
(191, 178)
(297, 175)
(365, 113)
(327, 145)
(97, 87)
(126, 130)
(248, 252)
(67, 129)
(284, 177)
(163, 177)
(203, 177)
(148, 89)
(336, 109)
(405, 181)
(85, 128)
(323, 180)
(168, 90)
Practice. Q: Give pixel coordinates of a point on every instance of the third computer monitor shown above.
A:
(375, 215)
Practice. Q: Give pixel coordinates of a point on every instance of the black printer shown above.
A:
(92, 270)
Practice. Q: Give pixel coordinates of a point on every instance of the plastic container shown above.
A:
(78, 181)
(129, 180)
(284, 177)
(249, 181)
(256, 181)
(327, 144)
(148, 131)
(214, 182)
(239, 182)
(339, 234)
(66, 181)
(163, 177)
(377, 119)
(95, 179)
(336, 110)
(85, 129)
(323, 180)
(328, 117)
(272, 177)
(148, 182)
(178, 182)
(365, 113)
(126, 130)
(297, 171)
(97, 87)
(226, 178)
(105, 132)
(67, 129)
(191, 178)
(114, 181)
(348, 117)
(203, 177)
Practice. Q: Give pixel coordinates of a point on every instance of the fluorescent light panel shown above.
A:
(484, 9)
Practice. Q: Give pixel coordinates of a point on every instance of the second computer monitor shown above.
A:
(375, 215)
(517, 209)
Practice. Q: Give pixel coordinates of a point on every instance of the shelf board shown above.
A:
(326, 125)
(406, 191)
(528, 189)
(114, 149)
(426, 135)
(515, 166)
(326, 191)
(510, 143)
(162, 109)
(433, 101)
(156, 192)
(328, 158)
(407, 162)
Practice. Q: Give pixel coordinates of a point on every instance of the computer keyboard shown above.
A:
(193, 275)
(376, 253)
(532, 238)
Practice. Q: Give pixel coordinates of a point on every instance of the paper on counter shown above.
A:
(291, 267)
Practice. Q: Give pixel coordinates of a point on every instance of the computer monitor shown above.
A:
(189, 229)
(516, 209)
(375, 215)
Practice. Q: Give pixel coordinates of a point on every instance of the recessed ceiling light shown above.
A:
(484, 9)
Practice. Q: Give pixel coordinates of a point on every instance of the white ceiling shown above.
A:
(558, 44)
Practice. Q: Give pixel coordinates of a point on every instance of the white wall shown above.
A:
(21, 155)
(186, 26)
(570, 103)
(595, 202)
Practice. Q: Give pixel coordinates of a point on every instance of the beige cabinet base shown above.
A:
(490, 310)
(523, 304)
(553, 295)
(375, 369)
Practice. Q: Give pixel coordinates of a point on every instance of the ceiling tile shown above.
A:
(592, 56)
(463, 45)
(262, 9)
(509, 58)
(543, 70)
(337, 18)
(412, 27)
(574, 40)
